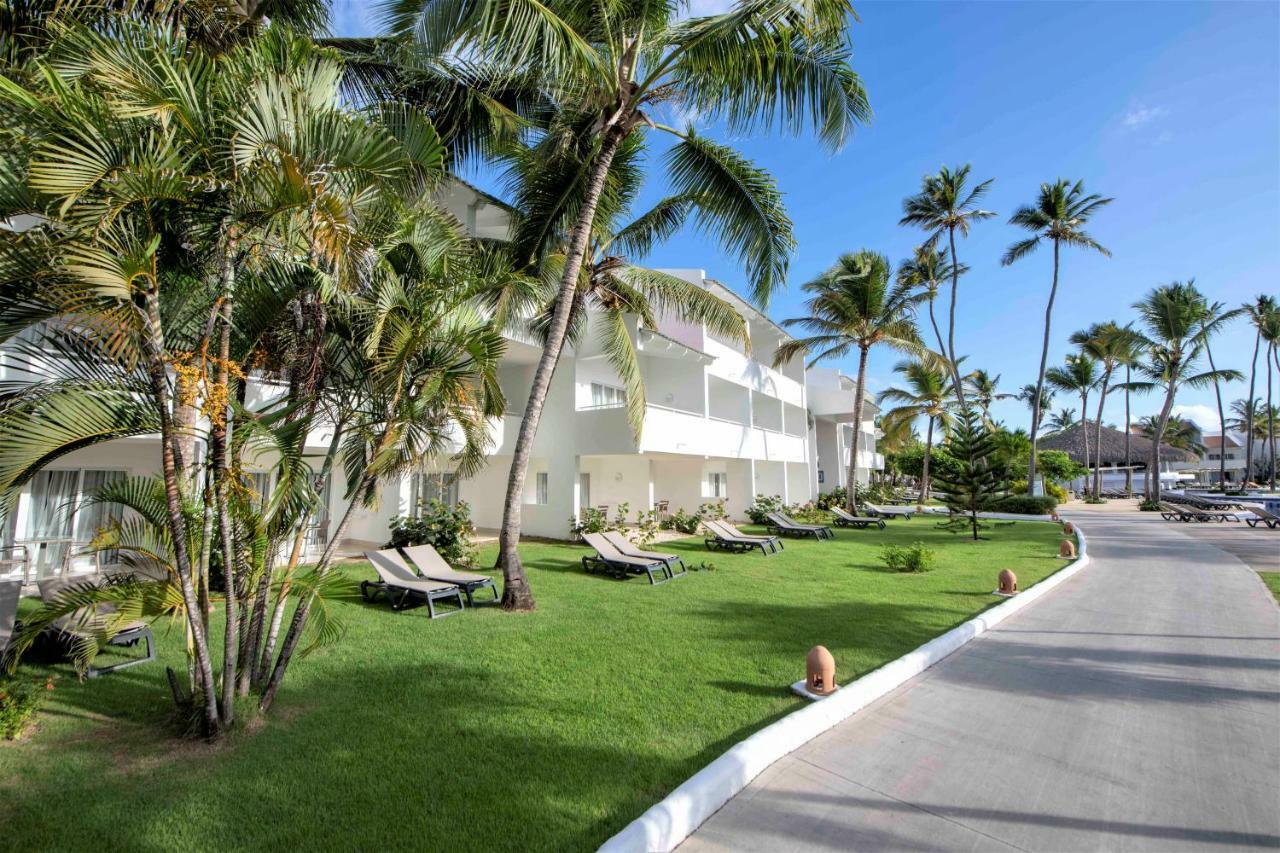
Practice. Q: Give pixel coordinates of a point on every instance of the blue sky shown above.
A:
(1171, 108)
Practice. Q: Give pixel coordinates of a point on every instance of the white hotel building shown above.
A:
(720, 423)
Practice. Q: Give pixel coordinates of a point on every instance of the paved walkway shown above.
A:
(1137, 707)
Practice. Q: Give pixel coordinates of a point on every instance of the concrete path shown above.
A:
(1137, 707)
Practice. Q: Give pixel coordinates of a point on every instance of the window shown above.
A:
(584, 490)
(607, 396)
(58, 516)
(718, 484)
(822, 476)
(434, 487)
(540, 488)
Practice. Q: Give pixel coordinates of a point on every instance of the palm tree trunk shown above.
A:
(851, 496)
(951, 322)
(516, 594)
(1084, 430)
(1248, 428)
(1097, 432)
(1044, 362)
(1153, 468)
(1222, 422)
(153, 343)
(219, 441)
(1128, 435)
(937, 332)
(924, 473)
(290, 645)
(1271, 435)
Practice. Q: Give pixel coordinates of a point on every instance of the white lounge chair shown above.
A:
(624, 545)
(433, 567)
(728, 538)
(399, 583)
(844, 519)
(619, 565)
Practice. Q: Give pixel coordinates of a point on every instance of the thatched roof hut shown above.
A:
(1072, 442)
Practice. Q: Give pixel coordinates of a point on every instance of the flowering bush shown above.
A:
(762, 506)
(446, 528)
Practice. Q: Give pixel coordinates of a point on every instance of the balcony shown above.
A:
(668, 430)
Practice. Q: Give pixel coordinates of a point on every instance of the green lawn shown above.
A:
(487, 730)
(1272, 580)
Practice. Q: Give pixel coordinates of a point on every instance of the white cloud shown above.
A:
(1206, 417)
(1140, 115)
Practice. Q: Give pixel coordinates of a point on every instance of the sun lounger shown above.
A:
(1211, 514)
(1171, 512)
(10, 592)
(890, 511)
(727, 538)
(785, 526)
(399, 583)
(844, 519)
(619, 565)
(432, 566)
(81, 624)
(626, 547)
(1262, 515)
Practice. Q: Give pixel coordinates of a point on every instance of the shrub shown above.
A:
(838, 496)
(592, 520)
(20, 698)
(646, 530)
(910, 558)
(809, 513)
(713, 509)
(1025, 505)
(1054, 490)
(446, 528)
(762, 506)
(1149, 506)
(686, 522)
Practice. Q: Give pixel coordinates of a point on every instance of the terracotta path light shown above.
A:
(820, 674)
(1008, 583)
(1067, 549)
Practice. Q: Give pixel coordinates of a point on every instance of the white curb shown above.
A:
(674, 819)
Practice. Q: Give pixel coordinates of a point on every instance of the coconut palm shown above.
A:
(1214, 320)
(612, 291)
(618, 68)
(1029, 394)
(1257, 311)
(1063, 419)
(925, 271)
(945, 205)
(1079, 376)
(927, 393)
(1270, 331)
(1129, 355)
(1110, 345)
(984, 388)
(1182, 433)
(854, 305)
(1172, 316)
(1058, 216)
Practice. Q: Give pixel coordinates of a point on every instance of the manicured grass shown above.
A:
(1272, 580)
(487, 730)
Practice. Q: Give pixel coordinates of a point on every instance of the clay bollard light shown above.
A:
(820, 671)
(1067, 549)
(1068, 528)
(1008, 582)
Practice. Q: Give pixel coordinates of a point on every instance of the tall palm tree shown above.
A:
(1182, 433)
(925, 271)
(1110, 345)
(1215, 318)
(928, 394)
(617, 66)
(1270, 330)
(1059, 215)
(1258, 311)
(1079, 376)
(855, 305)
(612, 290)
(1172, 316)
(985, 390)
(945, 205)
(1029, 395)
(1129, 355)
(1063, 419)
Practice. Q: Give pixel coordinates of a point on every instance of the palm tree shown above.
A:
(1270, 330)
(925, 271)
(1258, 311)
(1059, 216)
(928, 393)
(1064, 419)
(1079, 376)
(1110, 345)
(1129, 355)
(854, 305)
(1172, 316)
(611, 288)
(984, 388)
(613, 66)
(1215, 318)
(1028, 394)
(944, 206)
(1182, 433)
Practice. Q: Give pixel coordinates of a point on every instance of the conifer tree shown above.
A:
(978, 480)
